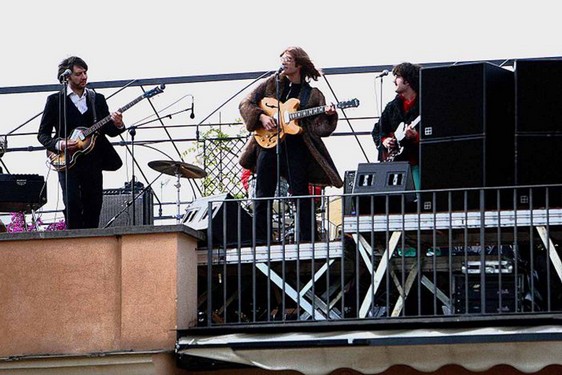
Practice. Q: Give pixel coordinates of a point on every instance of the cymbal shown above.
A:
(175, 168)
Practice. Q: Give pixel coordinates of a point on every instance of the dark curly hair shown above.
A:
(69, 63)
(410, 72)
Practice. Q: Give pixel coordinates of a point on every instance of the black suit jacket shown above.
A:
(103, 151)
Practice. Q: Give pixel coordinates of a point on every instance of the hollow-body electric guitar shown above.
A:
(86, 137)
(287, 116)
(399, 135)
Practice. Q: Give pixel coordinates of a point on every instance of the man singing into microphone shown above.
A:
(81, 177)
(303, 158)
(400, 116)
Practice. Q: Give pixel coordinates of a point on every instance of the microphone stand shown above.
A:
(277, 193)
(64, 121)
(347, 119)
(380, 112)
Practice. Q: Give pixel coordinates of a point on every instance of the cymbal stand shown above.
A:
(178, 186)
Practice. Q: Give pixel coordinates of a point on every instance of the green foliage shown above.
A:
(218, 153)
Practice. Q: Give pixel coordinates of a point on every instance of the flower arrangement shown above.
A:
(18, 224)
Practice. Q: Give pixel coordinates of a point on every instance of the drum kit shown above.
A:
(282, 207)
(179, 169)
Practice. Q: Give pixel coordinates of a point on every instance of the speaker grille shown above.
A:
(392, 178)
(115, 201)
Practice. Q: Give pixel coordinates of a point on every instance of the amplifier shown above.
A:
(22, 192)
(490, 266)
(469, 289)
(117, 203)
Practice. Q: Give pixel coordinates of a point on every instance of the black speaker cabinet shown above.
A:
(224, 217)
(537, 83)
(538, 163)
(538, 122)
(117, 206)
(391, 180)
(538, 159)
(467, 129)
(466, 100)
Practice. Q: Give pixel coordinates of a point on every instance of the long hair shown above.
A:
(308, 70)
(69, 63)
(410, 72)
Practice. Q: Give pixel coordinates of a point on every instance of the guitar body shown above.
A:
(289, 116)
(85, 145)
(399, 134)
(272, 107)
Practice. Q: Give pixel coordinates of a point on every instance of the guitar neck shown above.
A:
(307, 112)
(318, 110)
(98, 125)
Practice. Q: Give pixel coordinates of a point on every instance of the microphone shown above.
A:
(383, 74)
(65, 74)
(192, 115)
(281, 68)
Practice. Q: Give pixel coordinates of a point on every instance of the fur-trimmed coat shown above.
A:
(322, 170)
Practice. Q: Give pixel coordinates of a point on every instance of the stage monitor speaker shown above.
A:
(467, 116)
(538, 105)
(118, 203)
(391, 180)
(224, 214)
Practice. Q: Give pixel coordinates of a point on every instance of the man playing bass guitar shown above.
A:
(81, 183)
(401, 115)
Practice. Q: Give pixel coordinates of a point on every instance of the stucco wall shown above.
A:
(90, 294)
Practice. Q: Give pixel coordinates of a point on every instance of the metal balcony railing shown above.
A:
(460, 253)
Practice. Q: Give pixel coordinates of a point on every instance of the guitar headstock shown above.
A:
(348, 104)
(155, 91)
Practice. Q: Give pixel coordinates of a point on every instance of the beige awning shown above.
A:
(528, 349)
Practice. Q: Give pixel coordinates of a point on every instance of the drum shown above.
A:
(283, 184)
(277, 206)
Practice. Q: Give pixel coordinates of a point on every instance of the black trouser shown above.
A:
(84, 197)
(294, 160)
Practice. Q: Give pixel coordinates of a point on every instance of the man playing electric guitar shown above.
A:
(403, 109)
(394, 143)
(303, 157)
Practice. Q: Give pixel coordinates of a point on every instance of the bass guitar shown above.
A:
(287, 116)
(86, 137)
(399, 135)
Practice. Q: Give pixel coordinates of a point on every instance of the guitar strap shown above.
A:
(91, 95)
(304, 95)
